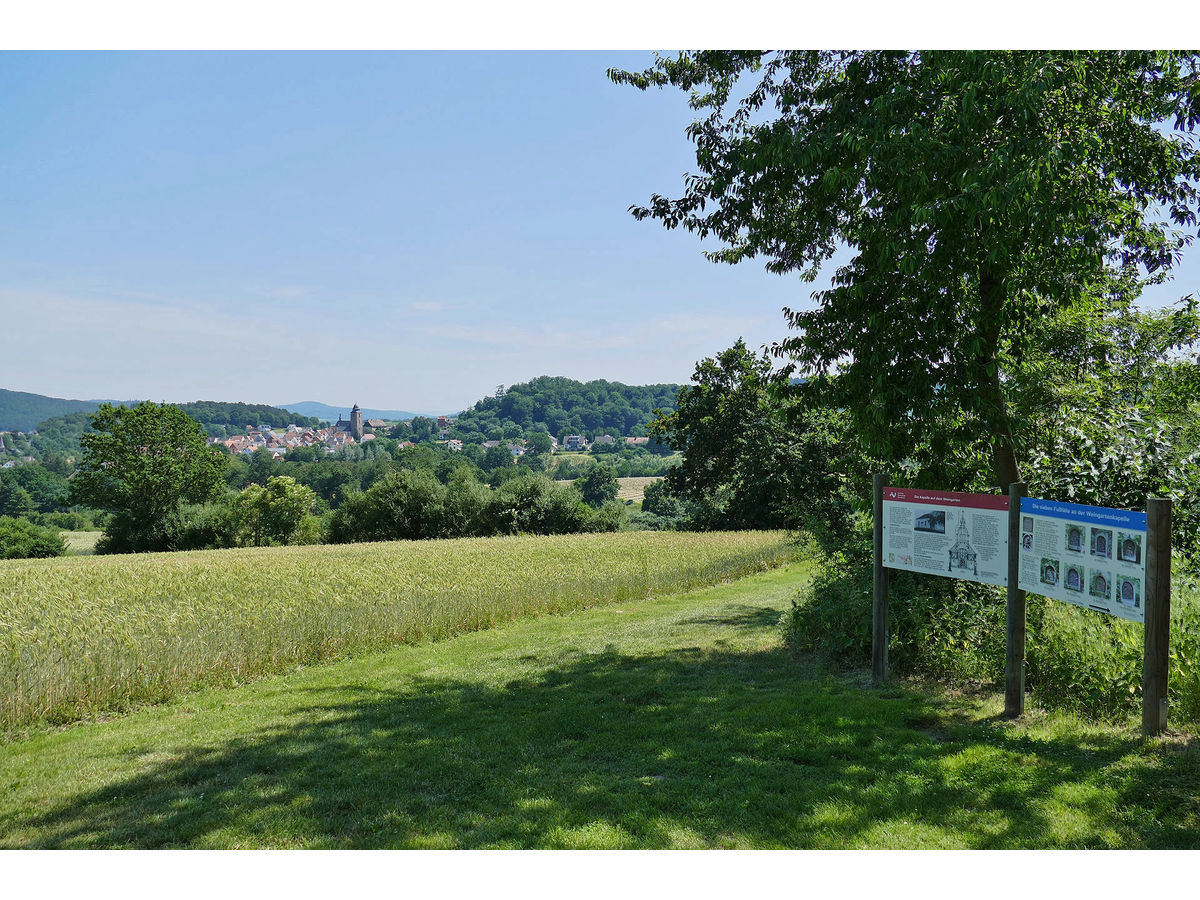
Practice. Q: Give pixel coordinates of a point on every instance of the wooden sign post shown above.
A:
(1158, 616)
(1088, 556)
(1014, 657)
(879, 593)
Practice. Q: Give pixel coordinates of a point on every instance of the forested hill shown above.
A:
(20, 411)
(564, 406)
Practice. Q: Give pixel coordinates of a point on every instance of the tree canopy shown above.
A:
(979, 194)
(274, 513)
(599, 485)
(562, 406)
(141, 463)
(753, 458)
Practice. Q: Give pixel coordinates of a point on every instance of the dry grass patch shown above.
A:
(635, 488)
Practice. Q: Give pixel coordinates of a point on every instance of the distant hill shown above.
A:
(564, 406)
(20, 411)
(333, 413)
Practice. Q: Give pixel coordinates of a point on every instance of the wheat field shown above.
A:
(82, 636)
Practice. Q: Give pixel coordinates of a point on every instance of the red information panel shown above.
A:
(946, 533)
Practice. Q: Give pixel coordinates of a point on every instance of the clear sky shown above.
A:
(401, 230)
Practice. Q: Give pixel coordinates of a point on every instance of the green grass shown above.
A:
(81, 543)
(673, 722)
(84, 636)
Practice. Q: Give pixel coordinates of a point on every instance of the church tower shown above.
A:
(356, 423)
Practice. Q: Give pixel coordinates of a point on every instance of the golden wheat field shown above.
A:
(635, 488)
(81, 636)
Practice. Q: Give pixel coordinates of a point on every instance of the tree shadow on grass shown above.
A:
(739, 615)
(689, 748)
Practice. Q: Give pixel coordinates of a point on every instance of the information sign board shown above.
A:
(946, 533)
(1091, 556)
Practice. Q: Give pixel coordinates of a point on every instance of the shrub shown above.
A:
(313, 529)
(21, 539)
(466, 504)
(273, 514)
(67, 521)
(533, 504)
(127, 534)
(1091, 663)
(612, 516)
(406, 505)
(598, 486)
(1120, 458)
(1077, 659)
(207, 526)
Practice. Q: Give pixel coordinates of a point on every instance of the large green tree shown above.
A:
(751, 457)
(141, 463)
(978, 193)
(598, 485)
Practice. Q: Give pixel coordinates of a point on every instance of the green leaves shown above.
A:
(141, 463)
(977, 191)
(753, 456)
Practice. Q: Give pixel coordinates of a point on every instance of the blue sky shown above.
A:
(401, 230)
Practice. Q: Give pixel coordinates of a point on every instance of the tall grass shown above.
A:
(1078, 659)
(1091, 663)
(87, 635)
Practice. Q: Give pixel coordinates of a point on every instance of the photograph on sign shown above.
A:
(1074, 579)
(946, 533)
(1091, 556)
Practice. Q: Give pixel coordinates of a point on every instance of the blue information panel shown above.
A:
(1091, 556)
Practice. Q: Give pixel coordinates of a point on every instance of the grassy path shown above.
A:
(674, 722)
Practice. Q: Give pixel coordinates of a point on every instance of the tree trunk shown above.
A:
(991, 391)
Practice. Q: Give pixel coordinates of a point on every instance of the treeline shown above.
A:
(32, 488)
(236, 416)
(562, 406)
(184, 494)
(57, 436)
(334, 476)
(40, 492)
(403, 504)
(414, 504)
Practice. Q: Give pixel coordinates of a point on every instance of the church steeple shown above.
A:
(962, 554)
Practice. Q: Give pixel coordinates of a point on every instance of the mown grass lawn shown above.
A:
(674, 722)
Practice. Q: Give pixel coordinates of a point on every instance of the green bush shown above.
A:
(313, 529)
(939, 627)
(533, 504)
(598, 486)
(1092, 663)
(205, 526)
(406, 505)
(1077, 659)
(612, 516)
(21, 539)
(274, 514)
(65, 521)
(1121, 458)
